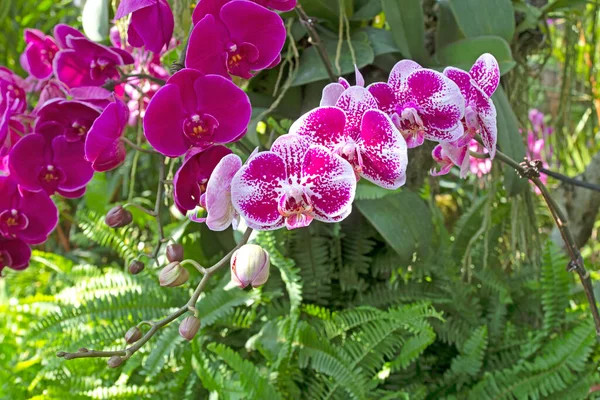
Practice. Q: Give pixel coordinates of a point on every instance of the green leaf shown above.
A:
(403, 220)
(564, 5)
(447, 30)
(485, 17)
(381, 40)
(367, 10)
(509, 140)
(462, 54)
(94, 19)
(408, 28)
(366, 190)
(312, 68)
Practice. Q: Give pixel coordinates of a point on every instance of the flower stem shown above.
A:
(136, 147)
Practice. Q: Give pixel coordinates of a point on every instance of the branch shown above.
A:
(136, 147)
(531, 171)
(146, 77)
(190, 306)
(309, 23)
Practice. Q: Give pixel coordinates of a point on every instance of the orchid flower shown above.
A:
(103, 145)
(292, 184)
(423, 103)
(27, 216)
(196, 110)
(39, 54)
(448, 155)
(14, 254)
(361, 134)
(151, 24)
(234, 37)
(333, 91)
(70, 118)
(477, 87)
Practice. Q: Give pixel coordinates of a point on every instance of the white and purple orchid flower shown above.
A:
(424, 104)
(361, 134)
(292, 184)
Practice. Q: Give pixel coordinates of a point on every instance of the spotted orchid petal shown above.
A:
(355, 102)
(486, 73)
(486, 119)
(331, 94)
(383, 151)
(400, 73)
(385, 96)
(323, 125)
(448, 155)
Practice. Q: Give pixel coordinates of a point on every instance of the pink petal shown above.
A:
(221, 212)
(385, 96)
(154, 25)
(486, 73)
(329, 181)
(254, 189)
(486, 114)
(207, 7)
(62, 33)
(163, 122)
(129, 6)
(384, 151)
(291, 148)
(449, 136)
(206, 47)
(400, 73)
(42, 215)
(186, 81)
(331, 94)
(69, 157)
(323, 125)
(355, 101)
(461, 78)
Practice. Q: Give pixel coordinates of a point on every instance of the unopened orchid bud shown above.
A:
(250, 266)
(136, 267)
(118, 217)
(173, 275)
(189, 327)
(115, 361)
(175, 252)
(133, 335)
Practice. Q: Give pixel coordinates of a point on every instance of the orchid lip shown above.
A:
(5, 259)
(199, 129)
(12, 221)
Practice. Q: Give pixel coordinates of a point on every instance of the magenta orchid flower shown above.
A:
(423, 103)
(50, 165)
(12, 92)
(217, 200)
(448, 155)
(361, 134)
(292, 184)
(14, 254)
(234, 37)
(192, 177)
(479, 166)
(63, 32)
(39, 54)
(333, 91)
(279, 5)
(24, 215)
(70, 118)
(477, 87)
(103, 145)
(151, 23)
(85, 63)
(196, 110)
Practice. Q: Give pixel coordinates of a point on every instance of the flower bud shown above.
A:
(136, 267)
(173, 275)
(118, 217)
(189, 327)
(174, 252)
(115, 361)
(133, 335)
(250, 266)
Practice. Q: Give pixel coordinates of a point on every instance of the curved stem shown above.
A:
(155, 326)
(136, 147)
(568, 179)
(577, 263)
(147, 77)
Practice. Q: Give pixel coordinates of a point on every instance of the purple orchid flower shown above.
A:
(234, 37)
(196, 110)
(217, 199)
(192, 177)
(103, 145)
(55, 165)
(292, 184)
(63, 32)
(361, 134)
(70, 118)
(477, 87)
(39, 54)
(85, 63)
(14, 254)
(279, 5)
(24, 215)
(12, 92)
(424, 104)
(151, 23)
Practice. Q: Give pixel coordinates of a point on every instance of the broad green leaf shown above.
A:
(485, 17)
(366, 10)
(447, 29)
(366, 190)
(462, 54)
(94, 18)
(381, 40)
(564, 5)
(312, 68)
(97, 194)
(328, 9)
(510, 141)
(408, 29)
(404, 221)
